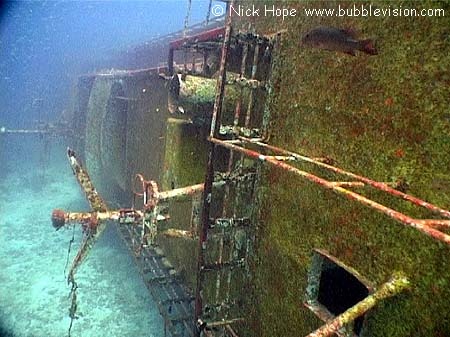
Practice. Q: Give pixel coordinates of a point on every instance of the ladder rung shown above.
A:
(229, 222)
(221, 265)
(177, 300)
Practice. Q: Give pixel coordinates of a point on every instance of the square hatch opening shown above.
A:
(333, 288)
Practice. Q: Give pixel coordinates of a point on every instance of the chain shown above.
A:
(73, 305)
(68, 250)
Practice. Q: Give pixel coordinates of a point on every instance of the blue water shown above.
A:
(44, 46)
(34, 298)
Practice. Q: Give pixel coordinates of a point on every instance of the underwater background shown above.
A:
(34, 292)
(384, 116)
(44, 46)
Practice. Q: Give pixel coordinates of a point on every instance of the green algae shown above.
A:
(381, 116)
(184, 165)
(185, 155)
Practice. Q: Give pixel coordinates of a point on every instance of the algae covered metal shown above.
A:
(239, 236)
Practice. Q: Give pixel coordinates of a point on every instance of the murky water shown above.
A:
(34, 295)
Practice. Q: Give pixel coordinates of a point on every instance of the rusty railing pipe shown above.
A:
(376, 184)
(398, 216)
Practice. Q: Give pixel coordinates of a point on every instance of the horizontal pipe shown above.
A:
(378, 185)
(185, 191)
(234, 130)
(118, 73)
(283, 158)
(348, 183)
(398, 216)
(40, 131)
(178, 233)
(180, 192)
(74, 217)
(395, 285)
(199, 37)
(224, 322)
(245, 82)
(221, 265)
(3, 130)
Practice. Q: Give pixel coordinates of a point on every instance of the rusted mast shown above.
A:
(395, 285)
(215, 125)
(91, 230)
(94, 229)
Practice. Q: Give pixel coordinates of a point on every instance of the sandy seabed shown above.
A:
(34, 295)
